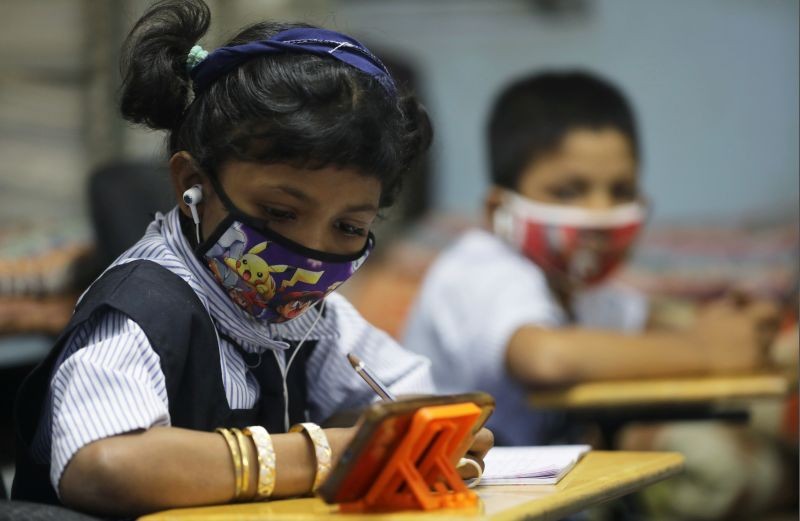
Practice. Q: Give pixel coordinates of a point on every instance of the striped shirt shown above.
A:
(108, 379)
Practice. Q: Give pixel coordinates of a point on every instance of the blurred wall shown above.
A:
(715, 85)
(44, 78)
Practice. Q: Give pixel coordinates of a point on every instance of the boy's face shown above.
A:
(592, 169)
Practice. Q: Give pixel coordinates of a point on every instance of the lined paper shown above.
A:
(530, 465)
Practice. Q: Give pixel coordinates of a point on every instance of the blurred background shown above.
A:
(714, 84)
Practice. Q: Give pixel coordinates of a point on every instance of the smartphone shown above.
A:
(381, 429)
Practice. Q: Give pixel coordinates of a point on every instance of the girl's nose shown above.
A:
(316, 239)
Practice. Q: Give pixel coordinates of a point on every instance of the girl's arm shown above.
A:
(725, 338)
(168, 467)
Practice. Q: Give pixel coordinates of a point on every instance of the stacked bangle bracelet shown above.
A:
(322, 450)
(237, 441)
(236, 449)
(243, 453)
(266, 460)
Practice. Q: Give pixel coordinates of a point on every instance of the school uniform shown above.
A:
(475, 296)
(156, 341)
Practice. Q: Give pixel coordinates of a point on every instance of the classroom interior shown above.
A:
(715, 89)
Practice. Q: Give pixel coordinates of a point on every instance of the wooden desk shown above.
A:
(598, 477)
(664, 391)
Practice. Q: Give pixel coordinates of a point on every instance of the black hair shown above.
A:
(532, 115)
(298, 109)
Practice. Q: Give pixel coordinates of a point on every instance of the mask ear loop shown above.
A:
(502, 223)
(503, 220)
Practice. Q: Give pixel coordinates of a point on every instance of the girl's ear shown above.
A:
(493, 199)
(184, 175)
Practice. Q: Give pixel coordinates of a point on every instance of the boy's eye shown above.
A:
(624, 191)
(568, 191)
(349, 229)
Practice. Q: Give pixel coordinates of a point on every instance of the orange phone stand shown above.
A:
(420, 474)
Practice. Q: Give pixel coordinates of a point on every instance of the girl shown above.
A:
(284, 144)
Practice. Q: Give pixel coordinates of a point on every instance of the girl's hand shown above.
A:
(339, 439)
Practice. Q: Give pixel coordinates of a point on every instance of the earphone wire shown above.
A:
(320, 311)
(285, 372)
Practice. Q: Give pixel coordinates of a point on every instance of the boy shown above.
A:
(528, 302)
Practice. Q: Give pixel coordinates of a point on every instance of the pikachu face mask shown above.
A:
(271, 277)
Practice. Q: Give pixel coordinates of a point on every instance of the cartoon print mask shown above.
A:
(269, 276)
(586, 246)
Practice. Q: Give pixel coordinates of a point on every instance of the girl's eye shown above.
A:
(278, 214)
(349, 229)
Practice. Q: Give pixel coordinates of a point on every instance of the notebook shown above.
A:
(530, 465)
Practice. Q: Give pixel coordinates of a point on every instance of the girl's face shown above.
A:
(593, 169)
(328, 209)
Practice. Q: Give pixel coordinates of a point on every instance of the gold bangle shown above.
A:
(242, 440)
(233, 447)
(266, 460)
(322, 451)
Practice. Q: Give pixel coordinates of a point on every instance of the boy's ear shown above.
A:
(493, 199)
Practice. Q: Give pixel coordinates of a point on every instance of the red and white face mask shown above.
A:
(585, 246)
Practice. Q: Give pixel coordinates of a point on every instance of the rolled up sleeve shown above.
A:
(111, 384)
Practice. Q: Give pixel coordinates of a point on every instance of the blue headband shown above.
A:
(320, 42)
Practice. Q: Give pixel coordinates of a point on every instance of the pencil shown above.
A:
(373, 382)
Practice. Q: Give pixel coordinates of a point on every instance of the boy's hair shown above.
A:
(531, 117)
(299, 109)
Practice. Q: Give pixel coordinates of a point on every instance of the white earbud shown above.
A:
(192, 197)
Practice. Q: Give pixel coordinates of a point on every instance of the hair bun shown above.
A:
(156, 85)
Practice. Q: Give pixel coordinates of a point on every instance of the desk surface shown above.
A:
(664, 391)
(598, 477)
